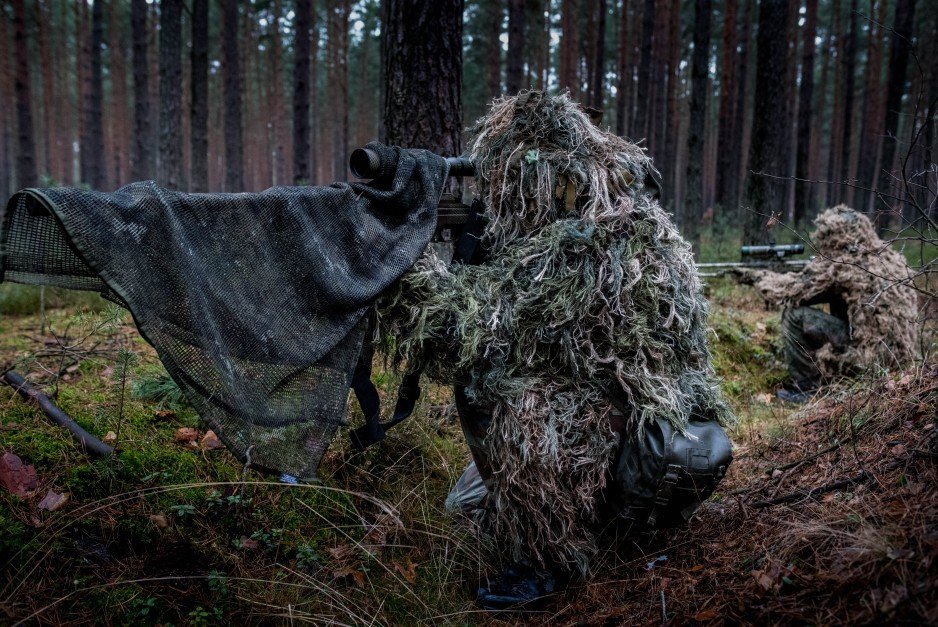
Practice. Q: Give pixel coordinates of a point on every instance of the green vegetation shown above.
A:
(168, 533)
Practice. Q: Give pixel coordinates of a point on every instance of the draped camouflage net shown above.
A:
(589, 294)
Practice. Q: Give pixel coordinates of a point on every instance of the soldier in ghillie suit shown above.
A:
(577, 346)
(872, 307)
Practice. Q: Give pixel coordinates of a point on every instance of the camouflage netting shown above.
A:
(854, 263)
(589, 292)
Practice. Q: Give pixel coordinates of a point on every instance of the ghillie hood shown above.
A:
(589, 300)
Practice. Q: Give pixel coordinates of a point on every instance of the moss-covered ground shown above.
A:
(169, 533)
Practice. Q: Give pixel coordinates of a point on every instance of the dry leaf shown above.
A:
(17, 477)
(210, 441)
(705, 615)
(164, 414)
(159, 520)
(339, 553)
(408, 572)
(765, 398)
(109, 438)
(357, 575)
(52, 501)
(248, 543)
(186, 435)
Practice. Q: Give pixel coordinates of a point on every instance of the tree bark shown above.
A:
(301, 76)
(92, 154)
(597, 99)
(847, 170)
(727, 105)
(514, 71)
(339, 16)
(837, 116)
(231, 68)
(7, 106)
(692, 208)
(171, 94)
(198, 135)
(898, 63)
(870, 138)
(141, 160)
(740, 128)
(423, 74)
(803, 195)
(764, 196)
(119, 123)
(640, 124)
(569, 75)
(624, 73)
(26, 149)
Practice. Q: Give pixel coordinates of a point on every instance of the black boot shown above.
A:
(519, 588)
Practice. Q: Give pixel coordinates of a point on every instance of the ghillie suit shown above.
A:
(865, 282)
(586, 322)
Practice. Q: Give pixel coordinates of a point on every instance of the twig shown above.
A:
(807, 494)
(89, 443)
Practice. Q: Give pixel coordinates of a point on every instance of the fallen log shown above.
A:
(90, 444)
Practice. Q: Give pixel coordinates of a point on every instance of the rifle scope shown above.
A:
(366, 164)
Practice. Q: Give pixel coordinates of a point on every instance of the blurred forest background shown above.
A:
(741, 103)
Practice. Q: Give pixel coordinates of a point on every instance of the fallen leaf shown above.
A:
(186, 435)
(248, 543)
(339, 553)
(164, 414)
(52, 501)
(108, 372)
(73, 368)
(899, 450)
(210, 441)
(765, 398)
(17, 477)
(705, 615)
(109, 438)
(357, 575)
(159, 520)
(408, 572)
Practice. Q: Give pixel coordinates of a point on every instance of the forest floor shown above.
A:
(173, 531)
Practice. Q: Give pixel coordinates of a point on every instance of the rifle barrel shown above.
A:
(366, 164)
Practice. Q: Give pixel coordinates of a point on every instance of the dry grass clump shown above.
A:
(866, 553)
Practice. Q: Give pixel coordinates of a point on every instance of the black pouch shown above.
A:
(663, 475)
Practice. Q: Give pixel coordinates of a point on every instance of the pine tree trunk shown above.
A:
(569, 74)
(26, 149)
(493, 16)
(837, 116)
(674, 73)
(301, 76)
(692, 208)
(7, 106)
(640, 124)
(170, 165)
(48, 118)
(231, 68)
(94, 156)
(141, 161)
(119, 120)
(280, 175)
(623, 73)
(423, 74)
(848, 64)
(514, 71)
(898, 62)
(597, 99)
(339, 84)
(870, 138)
(764, 196)
(198, 134)
(727, 106)
(740, 147)
(803, 193)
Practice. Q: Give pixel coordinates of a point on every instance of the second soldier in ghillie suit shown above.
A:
(866, 286)
(581, 334)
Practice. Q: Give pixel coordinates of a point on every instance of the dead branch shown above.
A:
(89, 443)
(813, 492)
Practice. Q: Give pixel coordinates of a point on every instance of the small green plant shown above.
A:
(199, 616)
(145, 607)
(218, 583)
(183, 510)
(307, 558)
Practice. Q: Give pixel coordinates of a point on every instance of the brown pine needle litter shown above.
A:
(589, 291)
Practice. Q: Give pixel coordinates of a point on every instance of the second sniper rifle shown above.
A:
(452, 215)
